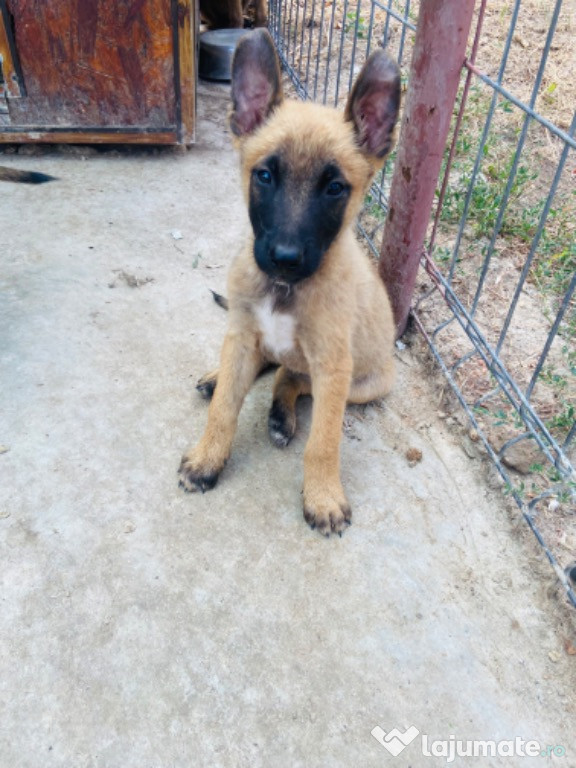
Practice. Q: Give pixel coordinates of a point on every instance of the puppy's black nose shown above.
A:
(286, 257)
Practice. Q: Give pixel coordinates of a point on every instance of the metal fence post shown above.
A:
(439, 52)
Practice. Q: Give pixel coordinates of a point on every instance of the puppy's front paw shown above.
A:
(327, 511)
(196, 475)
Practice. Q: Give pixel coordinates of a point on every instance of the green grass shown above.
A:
(487, 194)
(355, 24)
(554, 258)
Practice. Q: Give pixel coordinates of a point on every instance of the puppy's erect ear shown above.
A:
(374, 102)
(256, 82)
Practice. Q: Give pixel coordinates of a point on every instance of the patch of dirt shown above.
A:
(129, 279)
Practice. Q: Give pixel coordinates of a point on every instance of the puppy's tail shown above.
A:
(222, 301)
(23, 177)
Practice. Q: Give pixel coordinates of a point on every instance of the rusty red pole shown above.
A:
(439, 52)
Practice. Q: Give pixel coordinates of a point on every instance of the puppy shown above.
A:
(302, 294)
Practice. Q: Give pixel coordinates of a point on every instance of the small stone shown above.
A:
(413, 456)
(523, 456)
(470, 448)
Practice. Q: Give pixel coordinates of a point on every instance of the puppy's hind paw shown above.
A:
(207, 384)
(281, 424)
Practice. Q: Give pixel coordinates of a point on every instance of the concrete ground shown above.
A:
(145, 628)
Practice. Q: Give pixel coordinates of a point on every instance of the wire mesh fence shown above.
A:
(496, 300)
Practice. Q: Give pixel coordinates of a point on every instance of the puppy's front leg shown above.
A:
(240, 362)
(325, 505)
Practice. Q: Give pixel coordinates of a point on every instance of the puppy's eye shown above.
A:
(335, 189)
(264, 176)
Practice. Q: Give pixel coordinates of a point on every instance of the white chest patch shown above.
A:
(277, 328)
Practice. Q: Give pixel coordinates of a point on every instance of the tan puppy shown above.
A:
(303, 294)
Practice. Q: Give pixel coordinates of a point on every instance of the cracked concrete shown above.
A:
(143, 627)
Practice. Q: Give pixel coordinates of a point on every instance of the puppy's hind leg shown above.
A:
(288, 387)
(364, 389)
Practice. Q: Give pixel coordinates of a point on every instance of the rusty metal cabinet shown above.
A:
(97, 71)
